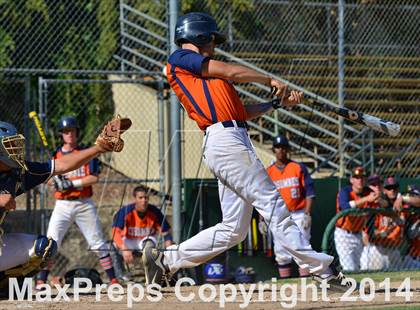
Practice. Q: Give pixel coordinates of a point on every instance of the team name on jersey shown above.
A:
(289, 182)
(80, 172)
(140, 231)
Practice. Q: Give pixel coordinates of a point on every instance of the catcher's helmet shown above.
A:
(12, 146)
(197, 28)
(67, 122)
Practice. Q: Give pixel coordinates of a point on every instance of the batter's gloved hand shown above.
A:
(61, 183)
(307, 221)
(109, 140)
(285, 97)
(262, 227)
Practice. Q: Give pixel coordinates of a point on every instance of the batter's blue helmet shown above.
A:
(280, 140)
(197, 28)
(67, 122)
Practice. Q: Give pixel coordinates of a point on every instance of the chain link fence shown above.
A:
(377, 240)
(59, 35)
(296, 40)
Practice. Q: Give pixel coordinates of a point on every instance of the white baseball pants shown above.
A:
(377, 257)
(349, 248)
(282, 255)
(243, 184)
(16, 250)
(83, 213)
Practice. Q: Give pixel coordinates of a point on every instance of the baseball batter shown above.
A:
(296, 187)
(74, 201)
(23, 255)
(204, 88)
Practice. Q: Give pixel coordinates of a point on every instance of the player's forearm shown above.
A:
(75, 160)
(235, 73)
(358, 203)
(411, 200)
(256, 110)
(308, 206)
(117, 238)
(89, 180)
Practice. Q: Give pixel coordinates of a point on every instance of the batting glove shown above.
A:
(62, 184)
(307, 221)
(262, 227)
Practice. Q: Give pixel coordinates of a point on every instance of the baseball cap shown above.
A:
(390, 182)
(280, 140)
(358, 172)
(374, 179)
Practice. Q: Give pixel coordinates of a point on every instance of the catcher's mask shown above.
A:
(12, 148)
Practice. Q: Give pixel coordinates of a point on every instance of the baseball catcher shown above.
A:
(22, 255)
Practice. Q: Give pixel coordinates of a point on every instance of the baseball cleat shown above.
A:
(155, 269)
(337, 282)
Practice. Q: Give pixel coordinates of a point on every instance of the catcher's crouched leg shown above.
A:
(42, 251)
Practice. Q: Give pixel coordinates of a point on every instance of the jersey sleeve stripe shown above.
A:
(187, 93)
(209, 101)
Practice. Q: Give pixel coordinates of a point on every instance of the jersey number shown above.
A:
(294, 192)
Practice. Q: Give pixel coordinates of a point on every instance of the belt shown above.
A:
(240, 124)
(74, 198)
(232, 123)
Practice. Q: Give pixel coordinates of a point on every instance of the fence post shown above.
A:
(175, 136)
(341, 84)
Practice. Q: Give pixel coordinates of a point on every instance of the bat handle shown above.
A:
(273, 90)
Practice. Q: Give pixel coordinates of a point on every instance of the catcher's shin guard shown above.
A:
(43, 249)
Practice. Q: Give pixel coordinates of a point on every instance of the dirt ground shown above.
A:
(170, 300)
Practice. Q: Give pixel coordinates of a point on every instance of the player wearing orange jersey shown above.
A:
(138, 224)
(74, 203)
(385, 231)
(296, 187)
(348, 230)
(205, 89)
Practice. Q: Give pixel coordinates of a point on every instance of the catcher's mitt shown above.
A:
(109, 140)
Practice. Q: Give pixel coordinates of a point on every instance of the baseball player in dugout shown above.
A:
(137, 225)
(296, 187)
(348, 233)
(73, 192)
(23, 255)
(384, 231)
(204, 87)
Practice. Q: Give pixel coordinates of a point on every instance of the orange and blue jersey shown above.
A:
(414, 241)
(351, 223)
(206, 100)
(130, 224)
(382, 223)
(293, 183)
(91, 168)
